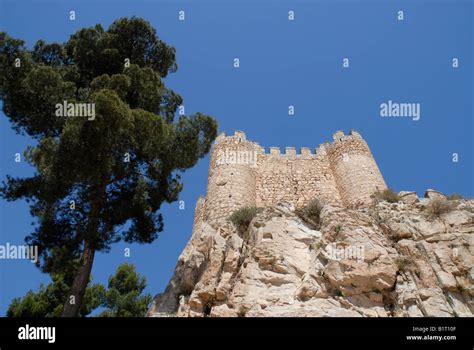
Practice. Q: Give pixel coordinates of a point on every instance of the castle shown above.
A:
(242, 173)
(284, 266)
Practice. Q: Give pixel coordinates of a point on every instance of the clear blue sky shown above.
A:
(282, 63)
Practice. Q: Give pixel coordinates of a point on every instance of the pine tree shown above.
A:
(100, 180)
(123, 297)
(49, 300)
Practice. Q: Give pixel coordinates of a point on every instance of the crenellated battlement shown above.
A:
(291, 151)
(338, 138)
(243, 173)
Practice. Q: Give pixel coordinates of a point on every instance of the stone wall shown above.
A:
(242, 173)
(199, 212)
(232, 176)
(354, 168)
(295, 178)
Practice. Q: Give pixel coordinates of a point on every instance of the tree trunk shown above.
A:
(78, 289)
(81, 280)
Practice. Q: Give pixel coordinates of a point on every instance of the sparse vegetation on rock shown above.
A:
(242, 217)
(454, 197)
(439, 206)
(312, 212)
(407, 264)
(387, 195)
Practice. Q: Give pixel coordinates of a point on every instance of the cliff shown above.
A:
(381, 260)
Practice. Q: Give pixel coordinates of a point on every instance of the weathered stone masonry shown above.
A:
(242, 173)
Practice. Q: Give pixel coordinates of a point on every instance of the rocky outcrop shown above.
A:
(391, 259)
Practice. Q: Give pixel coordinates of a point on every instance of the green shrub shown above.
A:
(242, 311)
(455, 197)
(242, 217)
(312, 212)
(387, 195)
(439, 206)
(315, 246)
(407, 264)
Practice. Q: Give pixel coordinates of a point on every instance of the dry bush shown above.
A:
(312, 212)
(242, 217)
(439, 206)
(407, 264)
(387, 195)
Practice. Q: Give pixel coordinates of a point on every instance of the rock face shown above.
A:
(389, 259)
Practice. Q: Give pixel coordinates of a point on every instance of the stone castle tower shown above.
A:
(242, 173)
